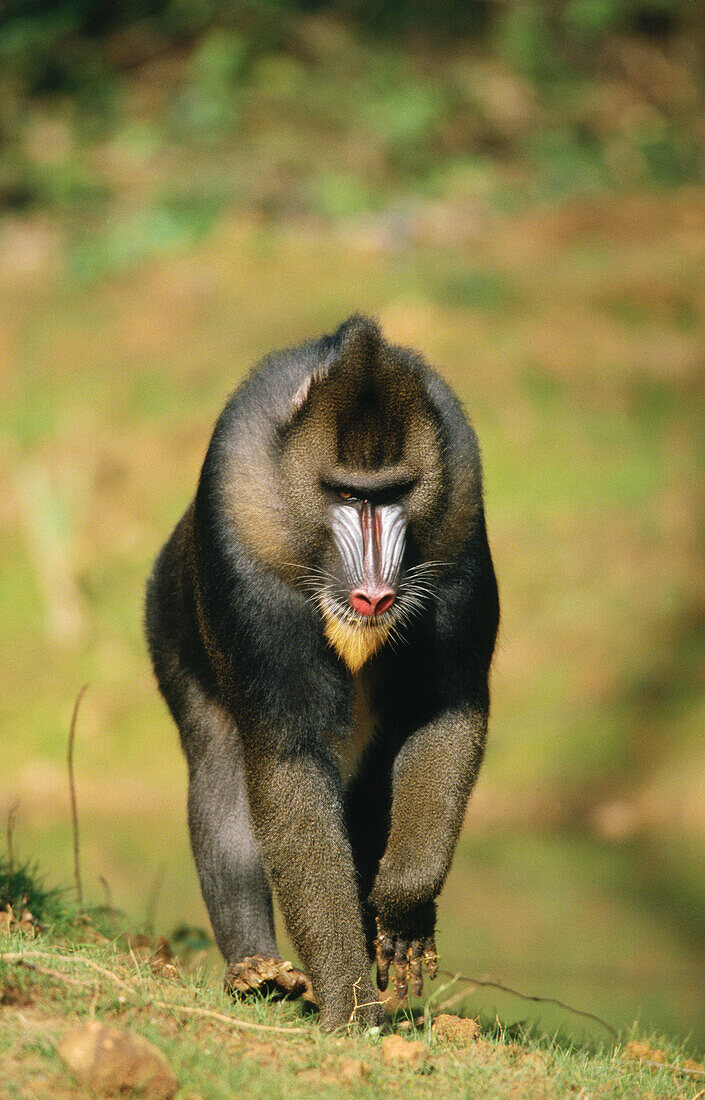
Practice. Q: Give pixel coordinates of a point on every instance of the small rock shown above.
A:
(109, 1061)
(411, 1053)
(454, 1029)
(643, 1051)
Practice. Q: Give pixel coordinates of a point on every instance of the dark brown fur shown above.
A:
(343, 789)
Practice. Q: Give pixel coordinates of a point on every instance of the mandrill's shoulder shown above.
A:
(459, 432)
(269, 390)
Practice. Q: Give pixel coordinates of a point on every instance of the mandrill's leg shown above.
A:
(432, 777)
(297, 808)
(228, 860)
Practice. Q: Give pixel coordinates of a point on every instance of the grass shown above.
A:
(52, 980)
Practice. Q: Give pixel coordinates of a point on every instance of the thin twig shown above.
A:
(17, 956)
(72, 789)
(105, 972)
(454, 1000)
(9, 830)
(532, 997)
(19, 959)
(673, 1067)
(153, 899)
(209, 1013)
(108, 894)
(48, 972)
(356, 1006)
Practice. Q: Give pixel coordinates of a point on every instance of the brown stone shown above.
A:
(109, 1061)
(455, 1029)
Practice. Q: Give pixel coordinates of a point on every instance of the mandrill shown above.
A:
(321, 624)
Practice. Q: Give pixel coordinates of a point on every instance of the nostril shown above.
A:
(371, 603)
(384, 603)
(361, 602)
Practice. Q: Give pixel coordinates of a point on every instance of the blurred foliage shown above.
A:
(578, 95)
(22, 888)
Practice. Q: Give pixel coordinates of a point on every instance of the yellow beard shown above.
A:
(354, 644)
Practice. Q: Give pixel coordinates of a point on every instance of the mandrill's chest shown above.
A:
(349, 749)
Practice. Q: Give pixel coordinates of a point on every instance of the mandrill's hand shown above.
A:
(409, 954)
(403, 901)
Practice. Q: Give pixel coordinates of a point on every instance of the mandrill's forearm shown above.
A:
(434, 773)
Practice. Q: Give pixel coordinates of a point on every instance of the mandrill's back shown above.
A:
(171, 619)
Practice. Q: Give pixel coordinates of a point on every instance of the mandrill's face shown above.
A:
(367, 589)
(363, 471)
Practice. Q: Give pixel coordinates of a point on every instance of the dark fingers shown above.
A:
(401, 968)
(416, 960)
(431, 958)
(384, 951)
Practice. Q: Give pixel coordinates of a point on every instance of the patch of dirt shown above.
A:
(13, 995)
(642, 1051)
(404, 1053)
(353, 1070)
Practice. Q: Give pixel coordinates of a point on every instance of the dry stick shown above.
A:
(10, 828)
(48, 972)
(72, 789)
(105, 972)
(108, 893)
(454, 1000)
(676, 1069)
(153, 899)
(532, 997)
(194, 1010)
(18, 956)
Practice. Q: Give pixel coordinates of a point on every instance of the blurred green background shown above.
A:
(517, 190)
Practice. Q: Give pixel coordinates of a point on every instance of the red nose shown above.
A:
(372, 601)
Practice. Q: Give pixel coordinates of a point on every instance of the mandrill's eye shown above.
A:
(345, 495)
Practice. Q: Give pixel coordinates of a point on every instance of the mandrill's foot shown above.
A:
(409, 957)
(257, 974)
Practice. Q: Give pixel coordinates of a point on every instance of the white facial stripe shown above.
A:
(392, 541)
(345, 524)
(347, 529)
